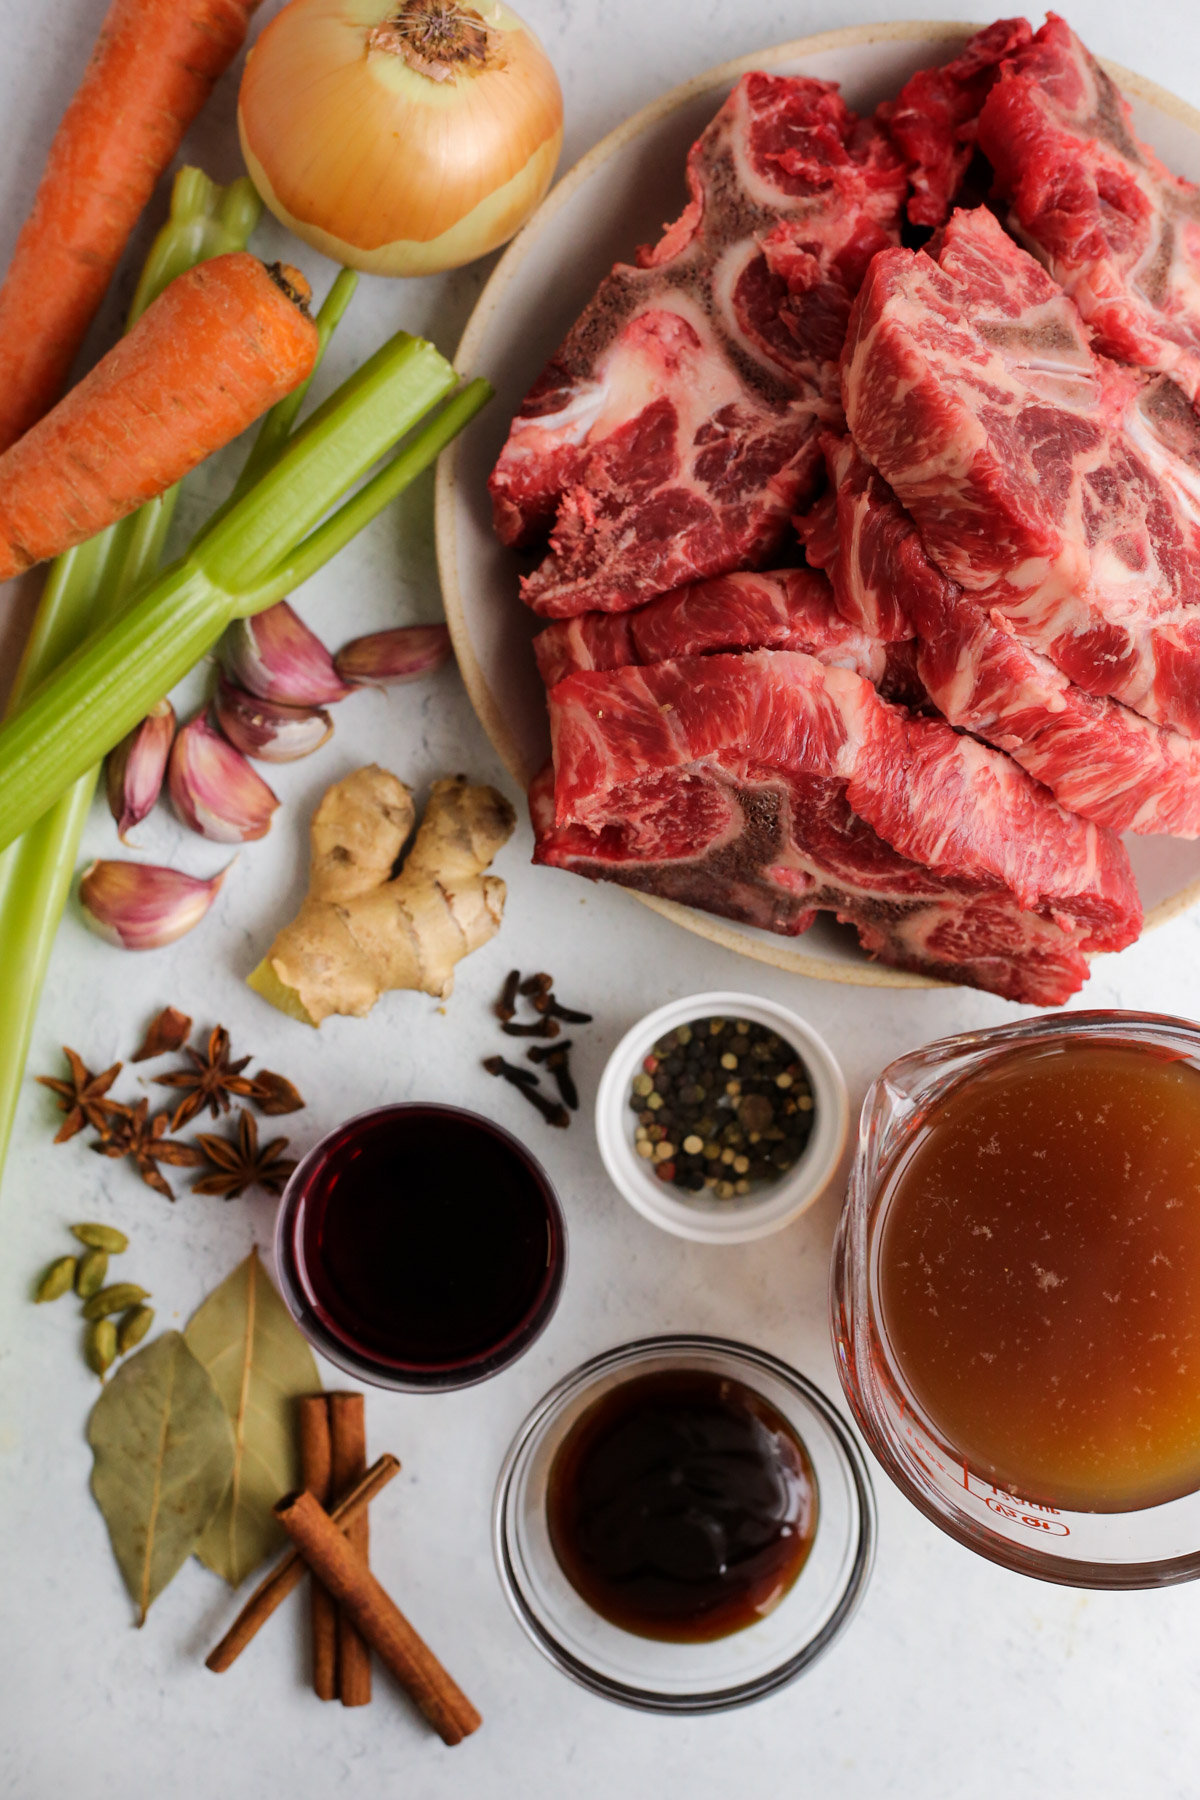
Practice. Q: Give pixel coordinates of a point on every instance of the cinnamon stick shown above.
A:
(316, 1469)
(348, 1432)
(333, 1559)
(290, 1571)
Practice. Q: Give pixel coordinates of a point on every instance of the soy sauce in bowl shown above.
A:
(421, 1247)
(682, 1506)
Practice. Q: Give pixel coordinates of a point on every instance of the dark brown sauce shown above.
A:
(1039, 1275)
(682, 1506)
(426, 1239)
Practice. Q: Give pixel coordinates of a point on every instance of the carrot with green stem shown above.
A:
(152, 69)
(217, 348)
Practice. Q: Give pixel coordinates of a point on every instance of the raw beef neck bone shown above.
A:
(767, 787)
(784, 609)
(676, 427)
(1056, 487)
(1098, 758)
(1115, 228)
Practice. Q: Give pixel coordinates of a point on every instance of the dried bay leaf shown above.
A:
(164, 1458)
(244, 1336)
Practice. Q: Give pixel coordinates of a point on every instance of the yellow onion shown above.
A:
(400, 136)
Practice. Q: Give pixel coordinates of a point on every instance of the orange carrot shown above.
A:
(221, 344)
(151, 71)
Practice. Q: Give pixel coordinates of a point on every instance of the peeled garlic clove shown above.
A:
(214, 789)
(404, 654)
(275, 656)
(135, 769)
(267, 729)
(139, 906)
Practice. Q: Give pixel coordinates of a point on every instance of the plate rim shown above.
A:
(777, 953)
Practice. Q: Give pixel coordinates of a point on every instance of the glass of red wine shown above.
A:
(421, 1247)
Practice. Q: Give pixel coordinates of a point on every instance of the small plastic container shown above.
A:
(647, 1673)
(701, 1217)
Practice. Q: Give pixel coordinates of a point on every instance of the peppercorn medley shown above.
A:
(721, 1104)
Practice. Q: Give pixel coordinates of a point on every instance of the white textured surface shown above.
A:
(956, 1677)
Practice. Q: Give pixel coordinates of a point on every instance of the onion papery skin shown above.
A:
(381, 167)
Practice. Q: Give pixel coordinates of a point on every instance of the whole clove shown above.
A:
(540, 1053)
(550, 1008)
(536, 984)
(496, 1065)
(506, 1005)
(543, 1028)
(559, 1066)
(552, 1111)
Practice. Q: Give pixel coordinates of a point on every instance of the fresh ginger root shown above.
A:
(360, 932)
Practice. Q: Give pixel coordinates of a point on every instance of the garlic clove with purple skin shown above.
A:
(275, 656)
(266, 728)
(140, 906)
(403, 654)
(214, 789)
(134, 771)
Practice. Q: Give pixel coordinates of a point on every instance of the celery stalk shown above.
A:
(383, 487)
(332, 450)
(277, 426)
(243, 564)
(82, 588)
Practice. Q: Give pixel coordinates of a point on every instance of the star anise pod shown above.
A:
(82, 1098)
(146, 1141)
(273, 1093)
(240, 1162)
(169, 1031)
(209, 1082)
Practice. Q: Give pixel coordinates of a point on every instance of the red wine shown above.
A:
(428, 1240)
(682, 1506)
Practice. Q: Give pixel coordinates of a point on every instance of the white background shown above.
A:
(956, 1678)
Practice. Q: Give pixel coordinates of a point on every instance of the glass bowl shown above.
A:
(1150, 1547)
(332, 1338)
(673, 1677)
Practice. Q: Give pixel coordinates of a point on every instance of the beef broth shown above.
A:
(1039, 1274)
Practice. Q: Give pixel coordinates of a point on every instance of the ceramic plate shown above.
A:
(617, 197)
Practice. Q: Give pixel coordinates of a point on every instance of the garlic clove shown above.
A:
(275, 656)
(140, 906)
(403, 654)
(266, 728)
(214, 789)
(134, 771)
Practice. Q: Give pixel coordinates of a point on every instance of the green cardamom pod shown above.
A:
(89, 1276)
(56, 1281)
(100, 1346)
(118, 1298)
(133, 1327)
(101, 1237)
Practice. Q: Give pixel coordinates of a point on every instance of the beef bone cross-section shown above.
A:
(785, 609)
(1051, 484)
(676, 427)
(1097, 757)
(1113, 225)
(767, 787)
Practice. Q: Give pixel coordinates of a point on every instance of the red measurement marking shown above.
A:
(1054, 1527)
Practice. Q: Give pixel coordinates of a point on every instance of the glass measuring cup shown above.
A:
(1150, 1547)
